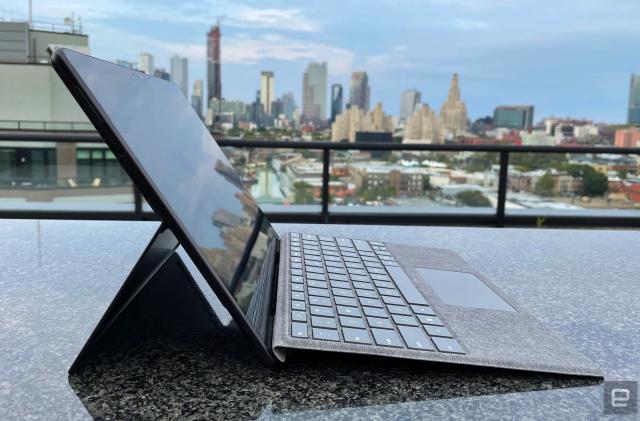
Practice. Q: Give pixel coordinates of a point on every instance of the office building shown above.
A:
(360, 92)
(145, 63)
(161, 73)
(453, 113)
(288, 105)
(267, 91)
(409, 100)
(336, 101)
(214, 83)
(634, 100)
(314, 93)
(353, 120)
(423, 126)
(517, 117)
(196, 97)
(180, 73)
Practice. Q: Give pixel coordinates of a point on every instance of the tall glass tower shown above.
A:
(634, 100)
(336, 101)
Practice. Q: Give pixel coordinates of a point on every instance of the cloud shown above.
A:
(396, 58)
(470, 25)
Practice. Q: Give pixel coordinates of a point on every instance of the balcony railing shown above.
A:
(325, 210)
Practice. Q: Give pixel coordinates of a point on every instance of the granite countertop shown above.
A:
(58, 277)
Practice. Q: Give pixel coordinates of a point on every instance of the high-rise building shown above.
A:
(354, 120)
(634, 100)
(360, 93)
(267, 91)
(453, 113)
(145, 63)
(214, 84)
(422, 126)
(161, 73)
(336, 101)
(518, 117)
(180, 73)
(288, 105)
(409, 100)
(196, 97)
(314, 93)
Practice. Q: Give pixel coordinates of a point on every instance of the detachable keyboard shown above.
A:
(354, 291)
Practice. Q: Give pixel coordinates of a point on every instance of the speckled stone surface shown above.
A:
(58, 277)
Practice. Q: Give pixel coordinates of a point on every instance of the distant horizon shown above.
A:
(569, 59)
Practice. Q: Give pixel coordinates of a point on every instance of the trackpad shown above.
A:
(463, 289)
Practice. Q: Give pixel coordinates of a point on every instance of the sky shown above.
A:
(568, 58)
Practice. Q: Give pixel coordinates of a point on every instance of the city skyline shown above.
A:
(575, 67)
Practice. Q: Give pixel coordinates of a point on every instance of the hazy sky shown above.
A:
(566, 57)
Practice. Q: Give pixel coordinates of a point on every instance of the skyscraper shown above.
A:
(409, 99)
(180, 73)
(214, 85)
(336, 101)
(196, 97)
(634, 100)
(360, 93)
(288, 105)
(453, 113)
(314, 92)
(519, 117)
(267, 91)
(145, 63)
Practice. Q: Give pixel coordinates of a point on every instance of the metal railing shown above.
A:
(498, 219)
(41, 125)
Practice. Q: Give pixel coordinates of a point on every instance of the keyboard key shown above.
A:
(363, 285)
(370, 302)
(383, 284)
(415, 338)
(404, 284)
(390, 263)
(313, 269)
(311, 263)
(296, 254)
(366, 258)
(374, 312)
(346, 301)
(397, 301)
(352, 259)
(325, 238)
(429, 320)
(316, 276)
(359, 278)
(311, 237)
(354, 265)
(312, 253)
(356, 336)
(366, 293)
(348, 311)
(388, 291)
(297, 287)
(353, 271)
(296, 265)
(362, 245)
(330, 263)
(321, 311)
(296, 272)
(426, 310)
(299, 330)
(379, 277)
(297, 279)
(338, 277)
(346, 253)
(379, 323)
(376, 270)
(319, 301)
(299, 296)
(367, 254)
(336, 270)
(448, 345)
(438, 331)
(384, 337)
(352, 322)
(296, 260)
(325, 334)
(340, 284)
(331, 253)
(342, 292)
(298, 316)
(380, 252)
(372, 265)
(318, 291)
(344, 242)
(402, 310)
(298, 305)
(317, 284)
(323, 322)
(404, 320)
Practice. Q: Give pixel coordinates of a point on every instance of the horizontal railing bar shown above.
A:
(61, 137)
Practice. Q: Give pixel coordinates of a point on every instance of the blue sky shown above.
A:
(568, 58)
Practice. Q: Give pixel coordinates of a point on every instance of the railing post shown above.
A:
(502, 187)
(326, 154)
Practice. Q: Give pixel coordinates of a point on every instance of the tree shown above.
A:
(302, 193)
(544, 186)
(594, 183)
(473, 198)
(377, 193)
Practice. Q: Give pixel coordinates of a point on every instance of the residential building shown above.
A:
(536, 138)
(336, 101)
(197, 96)
(633, 116)
(360, 92)
(180, 73)
(354, 120)
(566, 129)
(404, 180)
(214, 83)
(21, 43)
(423, 126)
(145, 63)
(453, 113)
(314, 93)
(627, 138)
(409, 100)
(267, 91)
(518, 117)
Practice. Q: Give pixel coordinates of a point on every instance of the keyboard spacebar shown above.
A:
(406, 287)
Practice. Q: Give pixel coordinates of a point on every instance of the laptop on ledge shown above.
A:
(301, 291)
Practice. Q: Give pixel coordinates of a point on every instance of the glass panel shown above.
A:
(573, 185)
(281, 180)
(61, 177)
(413, 182)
